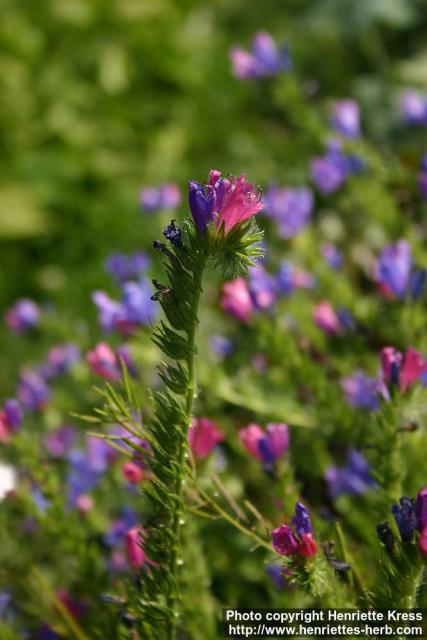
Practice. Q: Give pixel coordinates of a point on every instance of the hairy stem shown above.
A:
(178, 516)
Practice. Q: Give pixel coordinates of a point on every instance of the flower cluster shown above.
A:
(225, 202)
(290, 541)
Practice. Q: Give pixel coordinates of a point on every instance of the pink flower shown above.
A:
(284, 541)
(225, 202)
(308, 546)
(134, 551)
(422, 542)
(326, 318)
(84, 503)
(203, 436)
(413, 366)
(133, 472)
(266, 447)
(103, 361)
(236, 299)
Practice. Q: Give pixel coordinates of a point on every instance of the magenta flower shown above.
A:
(284, 541)
(422, 542)
(266, 446)
(133, 472)
(421, 508)
(326, 318)
(227, 202)
(103, 361)
(203, 436)
(134, 550)
(236, 299)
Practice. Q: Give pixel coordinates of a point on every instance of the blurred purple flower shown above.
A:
(393, 269)
(332, 255)
(123, 267)
(345, 118)
(262, 287)
(120, 526)
(221, 345)
(24, 315)
(421, 508)
(165, 196)
(60, 359)
(413, 108)
(290, 208)
(362, 391)
(264, 59)
(266, 446)
(58, 443)
(33, 393)
(330, 171)
(136, 309)
(353, 479)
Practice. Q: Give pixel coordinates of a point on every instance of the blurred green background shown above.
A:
(100, 97)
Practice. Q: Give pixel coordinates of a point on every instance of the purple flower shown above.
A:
(413, 108)
(301, 520)
(328, 174)
(421, 509)
(165, 196)
(60, 359)
(173, 233)
(267, 447)
(87, 467)
(406, 519)
(12, 413)
(112, 315)
(124, 267)
(276, 573)
(346, 118)
(24, 315)
(332, 255)
(221, 345)
(393, 269)
(262, 287)
(289, 278)
(59, 442)
(136, 309)
(284, 541)
(362, 391)
(290, 208)
(41, 502)
(265, 58)
(33, 393)
(330, 171)
(119, 527)
(228, 202)
(139, 307)
(353, 479)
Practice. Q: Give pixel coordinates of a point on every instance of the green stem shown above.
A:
(178, 516)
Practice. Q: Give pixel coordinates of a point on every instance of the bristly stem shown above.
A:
(191, 392)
